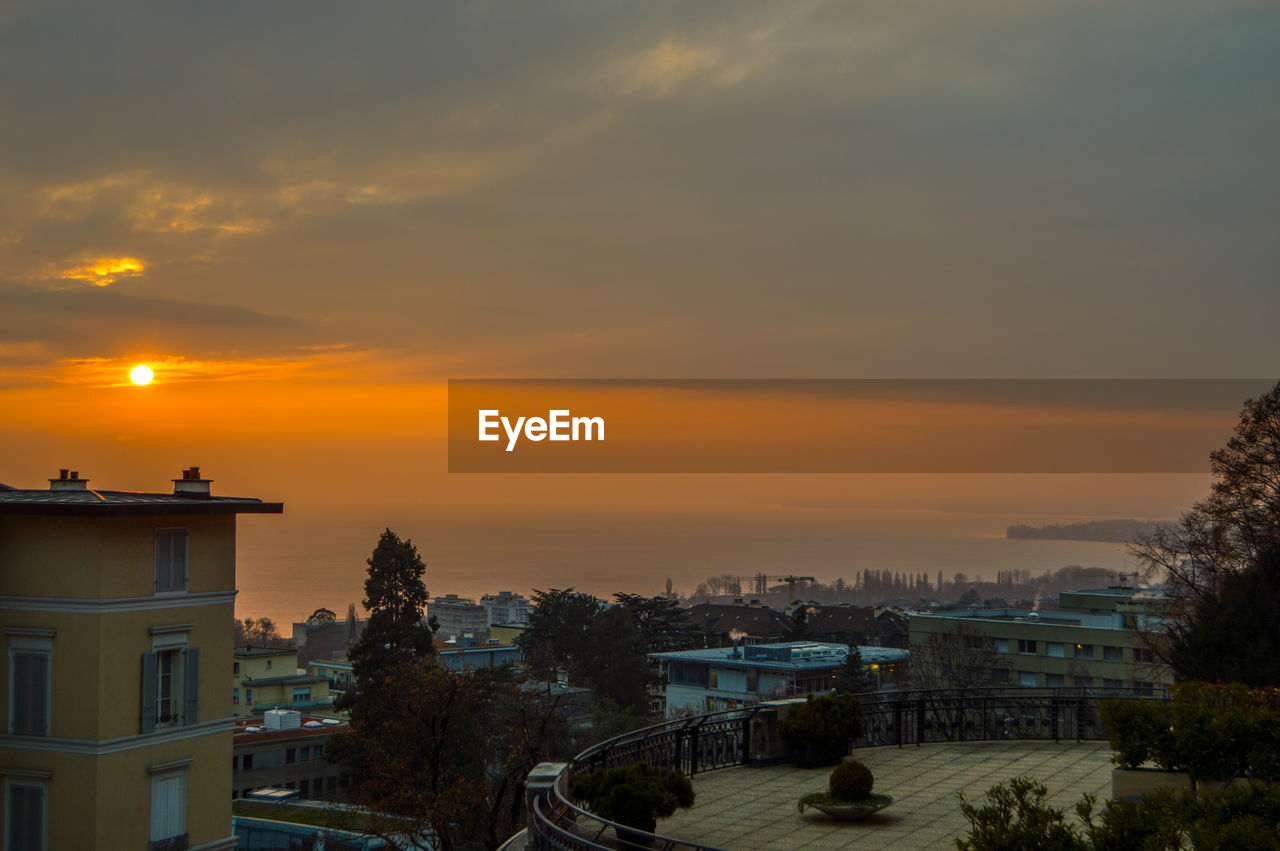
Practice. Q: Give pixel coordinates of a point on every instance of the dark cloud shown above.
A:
(678, 189)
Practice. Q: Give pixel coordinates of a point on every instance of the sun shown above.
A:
(141, 374)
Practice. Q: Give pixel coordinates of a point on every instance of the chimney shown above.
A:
(191, 484)
(68, 480)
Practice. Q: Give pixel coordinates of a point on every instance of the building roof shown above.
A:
(289, 679)
(263, 735)
(720, 619)
(249, 650)
(112, 503)
(803, 656)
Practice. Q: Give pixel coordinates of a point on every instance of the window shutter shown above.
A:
(39, 684)
(31, 692)
(162, 561)
(147, 716)
(179, 563)
(26, 817)
(191, 685)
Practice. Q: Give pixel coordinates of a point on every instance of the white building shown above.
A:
(506, 608)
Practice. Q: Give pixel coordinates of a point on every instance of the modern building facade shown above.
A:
(1094, 640)
(727, 678)
(291, 756)
(116, 609)
(506, 608)
(458, 617)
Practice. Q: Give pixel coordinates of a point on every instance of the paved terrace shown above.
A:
(755, 808)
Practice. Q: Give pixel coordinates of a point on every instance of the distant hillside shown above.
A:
(1106, 531)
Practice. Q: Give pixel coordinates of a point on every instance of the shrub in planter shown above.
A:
(1138, 731)
(633, 795)
(821, 731)
(851, 781)
(848, 796)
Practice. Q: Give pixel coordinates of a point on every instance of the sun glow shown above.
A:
(141, 374)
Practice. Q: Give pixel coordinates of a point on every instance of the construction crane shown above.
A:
(762, 582)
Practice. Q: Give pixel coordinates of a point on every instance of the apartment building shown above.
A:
(266, 678)
(507, 609)
(459, 617)
(1093, 640)
(286, 750)
(727, 678)
(117, 607)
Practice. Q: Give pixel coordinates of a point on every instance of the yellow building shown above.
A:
(117, 610)
(267, 678)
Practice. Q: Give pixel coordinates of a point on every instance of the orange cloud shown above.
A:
(100, 271)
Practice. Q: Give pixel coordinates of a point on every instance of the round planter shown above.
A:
(855, 811)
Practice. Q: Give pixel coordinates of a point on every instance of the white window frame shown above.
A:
(38, 783)
(161, 774)
(186, 562)
(31, 642)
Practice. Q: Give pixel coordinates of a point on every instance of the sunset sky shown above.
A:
(307, 217)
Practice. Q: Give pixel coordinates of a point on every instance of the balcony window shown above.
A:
(1084, 651)
(1054, 649)
(1113, 654)
(1026, 645)
(170, 687)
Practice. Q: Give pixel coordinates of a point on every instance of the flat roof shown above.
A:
(295, 679)
(724, 656)
(99, 503)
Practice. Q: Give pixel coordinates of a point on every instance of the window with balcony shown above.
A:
(1026, 645)
(1054, 649)
(1084, 651)
(170, 687)
(171, 560)
(1113, 654)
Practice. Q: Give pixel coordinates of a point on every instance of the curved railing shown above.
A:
(724, 739)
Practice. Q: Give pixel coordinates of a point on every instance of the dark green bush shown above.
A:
(634, 794)
(1138, 731)
(1015, 816)
(830, 722)
(850, 781)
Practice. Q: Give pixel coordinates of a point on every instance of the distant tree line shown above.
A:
(874, 587)
(1103, 531)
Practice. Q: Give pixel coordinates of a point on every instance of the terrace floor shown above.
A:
(755, 808)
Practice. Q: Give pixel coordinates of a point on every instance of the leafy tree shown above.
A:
(1232, 635)
(663, 623)
(444, 763)
(1227, 530)
(257, 631)
(852, 676)
(613, 663)
(322, 615)
(556, 637)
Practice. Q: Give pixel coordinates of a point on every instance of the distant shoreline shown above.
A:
(1099, 531)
